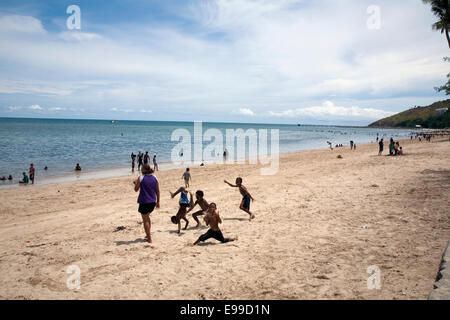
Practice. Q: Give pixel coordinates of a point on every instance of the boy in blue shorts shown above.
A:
(245, 203)
(184, 203)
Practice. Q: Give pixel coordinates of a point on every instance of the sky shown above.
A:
(347, 62)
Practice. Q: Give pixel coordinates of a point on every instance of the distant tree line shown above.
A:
(436, 122)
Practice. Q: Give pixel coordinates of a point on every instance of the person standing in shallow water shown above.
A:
(148, 199)
(133, 161)
(31, 173)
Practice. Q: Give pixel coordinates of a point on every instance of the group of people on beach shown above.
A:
(149, 199)
(142, 159)
(29, 177)
(352, 145)
(394, 148)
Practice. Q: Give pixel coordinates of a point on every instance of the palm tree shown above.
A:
(441, 10)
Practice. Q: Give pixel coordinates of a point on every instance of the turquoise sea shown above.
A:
(103, 148)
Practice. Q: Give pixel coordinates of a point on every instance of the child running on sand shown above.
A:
(182, 211)
(245, 203)
(148, 196)
(212, 219)
(203, 205)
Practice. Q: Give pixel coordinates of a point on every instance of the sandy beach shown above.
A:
(320, 223)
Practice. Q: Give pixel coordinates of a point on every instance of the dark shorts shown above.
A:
(145, 208)
(213, 234)
(245, 202)
(184, 205)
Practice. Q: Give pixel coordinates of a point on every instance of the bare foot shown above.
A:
(252, 217)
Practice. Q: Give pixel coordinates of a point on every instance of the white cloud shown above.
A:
(56, 109)
(244, 112)
(328, 110)
(121, 110)
(14, 108)
(17, 23)
(40, 87)
(78, 36)
(35, 107)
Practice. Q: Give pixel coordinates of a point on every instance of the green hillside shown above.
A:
(424, 116)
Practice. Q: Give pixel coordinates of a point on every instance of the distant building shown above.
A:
(440, 112)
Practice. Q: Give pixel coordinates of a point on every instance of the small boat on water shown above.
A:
(114, 121)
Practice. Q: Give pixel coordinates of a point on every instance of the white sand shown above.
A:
(320, 222)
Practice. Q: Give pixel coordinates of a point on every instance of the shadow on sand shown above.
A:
(236, 219)
(138, 240)
(204, 244)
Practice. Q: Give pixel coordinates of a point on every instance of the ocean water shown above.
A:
(103, 148)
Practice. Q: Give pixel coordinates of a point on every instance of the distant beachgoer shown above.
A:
(133, 160)
(45, 168)
(78, 167)
(245, 203)
(351, 144)
(396, 147)
(155, 165)
(25, 178)
(203, 205)
(186, 176)
(354, 146)
(377, 138)
(330, 144)
(182, 211)
(212, 219)
(400, 152)
(391, 147)
(31, 172)
(140, 162)
(10, 177)
(146, 157)
(225, 153)
(3, 178)
(148, 199)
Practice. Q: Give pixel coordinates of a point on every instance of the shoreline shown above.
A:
(116, 172)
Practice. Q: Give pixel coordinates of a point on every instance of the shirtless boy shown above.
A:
(212, 219)
(203, 205)
(245, 203)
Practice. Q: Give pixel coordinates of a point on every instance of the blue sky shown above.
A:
(285, 61)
